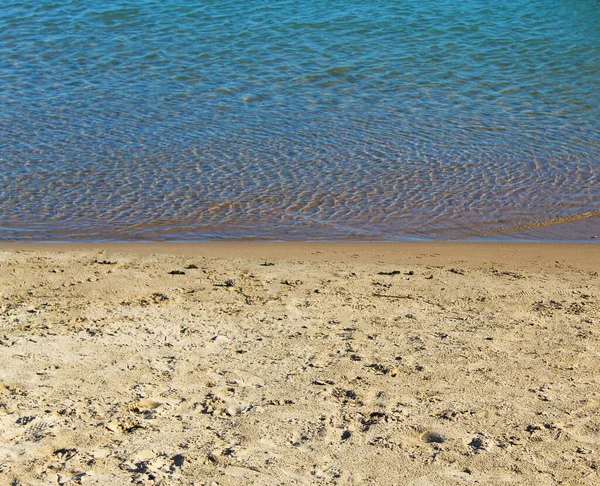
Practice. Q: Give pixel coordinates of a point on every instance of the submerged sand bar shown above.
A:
(300, 363)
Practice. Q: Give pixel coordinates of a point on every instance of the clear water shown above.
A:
(383, 120)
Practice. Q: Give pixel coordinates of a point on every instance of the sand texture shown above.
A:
(121, 368)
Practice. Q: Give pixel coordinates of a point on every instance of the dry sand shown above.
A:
(408, 364)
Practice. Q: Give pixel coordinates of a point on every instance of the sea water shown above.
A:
(321, 119)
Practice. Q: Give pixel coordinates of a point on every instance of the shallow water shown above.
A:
(383, 120)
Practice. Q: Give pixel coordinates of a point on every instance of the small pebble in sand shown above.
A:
(63, 479)
(178, 460)
(433, 437)
(220, 339)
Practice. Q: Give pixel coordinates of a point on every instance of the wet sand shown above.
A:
(300, 363)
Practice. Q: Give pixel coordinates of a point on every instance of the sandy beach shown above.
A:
(299, 363)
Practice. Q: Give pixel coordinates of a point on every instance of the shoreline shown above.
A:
(526, 255)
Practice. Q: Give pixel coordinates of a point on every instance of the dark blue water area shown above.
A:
(383, 120)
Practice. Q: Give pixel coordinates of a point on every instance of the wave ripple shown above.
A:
(322, 120)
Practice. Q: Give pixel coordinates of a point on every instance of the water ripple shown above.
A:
(370, 120)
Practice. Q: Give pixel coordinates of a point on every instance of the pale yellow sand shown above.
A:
(408, 364)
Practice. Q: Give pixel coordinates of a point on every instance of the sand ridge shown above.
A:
(152, 368)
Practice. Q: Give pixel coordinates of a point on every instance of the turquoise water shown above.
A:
(383, 120)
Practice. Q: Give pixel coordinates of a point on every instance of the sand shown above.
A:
(228, 364)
